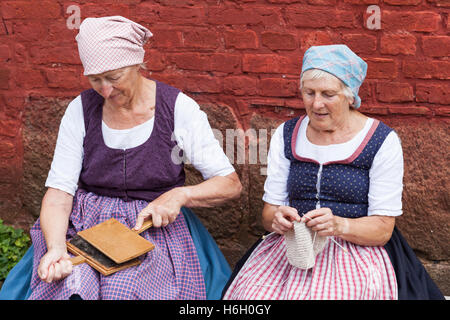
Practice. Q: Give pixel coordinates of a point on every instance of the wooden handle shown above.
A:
(78, 260)
(147, 224)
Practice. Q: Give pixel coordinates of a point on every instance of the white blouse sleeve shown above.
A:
(68, 156)
(386, 179)
(275, 187)
(195, 137)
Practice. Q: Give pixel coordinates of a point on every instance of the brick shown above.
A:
(315, 38)
(283, 1)
(7, 150)
(154, 60)
(99, 10)
(276, 87)
(257, 15)
(176, 3)
(381, 68)
(201, 39)
(436, 46)
(322, 2)
(394, 92)
(20, 53)
(240, 85)
(29, 30)
(5, 53)
(395, 44)
(201, 83)
(269, 63)
(206, 62)
(54, 54)
(361, 43)
(191, 15)
(9, 127)
(241, 40)
(426, 69)
(374, 109)
(419, 21)
(442, 111)
(59, 32)
(167, 38)
(145, 12)
(361, 2)
(29, 10)
(433, 93)
(365, 91)
(64, 78)
(320, 18)
(29, 78)
(410, 110)
(403, 2)
(279, 41)
(4, 78)
(440, 3)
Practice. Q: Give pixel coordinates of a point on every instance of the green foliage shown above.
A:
(13, 245)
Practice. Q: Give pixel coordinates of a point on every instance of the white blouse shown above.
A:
(193, 135)
(386, 173)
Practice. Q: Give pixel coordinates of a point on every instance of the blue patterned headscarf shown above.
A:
(341, 62)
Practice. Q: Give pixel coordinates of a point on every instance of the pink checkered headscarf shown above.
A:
(110, 43)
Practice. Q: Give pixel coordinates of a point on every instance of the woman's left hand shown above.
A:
(324, 222)
(164, 209)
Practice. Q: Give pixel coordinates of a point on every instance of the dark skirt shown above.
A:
(413, 281)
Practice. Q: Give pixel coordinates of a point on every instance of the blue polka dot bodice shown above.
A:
(342, 186)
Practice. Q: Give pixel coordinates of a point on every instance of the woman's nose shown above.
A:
(317, 101)
(106, 90)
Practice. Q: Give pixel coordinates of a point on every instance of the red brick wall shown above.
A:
(245, 55)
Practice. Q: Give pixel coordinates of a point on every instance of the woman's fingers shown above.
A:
(54, 265)
(145, 213)
(283, 218)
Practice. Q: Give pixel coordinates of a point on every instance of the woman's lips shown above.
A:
(320, 115)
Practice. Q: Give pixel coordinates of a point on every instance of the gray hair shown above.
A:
(312, 74)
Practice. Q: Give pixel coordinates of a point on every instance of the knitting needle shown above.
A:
(345, 250)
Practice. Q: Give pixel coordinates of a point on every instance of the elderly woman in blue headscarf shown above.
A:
(332, 193)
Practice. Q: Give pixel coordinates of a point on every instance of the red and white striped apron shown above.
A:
(364, 272)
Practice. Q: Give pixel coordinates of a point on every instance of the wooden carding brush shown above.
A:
(109, 246)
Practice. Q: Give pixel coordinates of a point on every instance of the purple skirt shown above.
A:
(170, 271)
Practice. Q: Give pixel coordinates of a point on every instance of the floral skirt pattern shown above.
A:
(360, 273)
(170, 271)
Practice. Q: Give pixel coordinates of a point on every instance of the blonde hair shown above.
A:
(313, 74)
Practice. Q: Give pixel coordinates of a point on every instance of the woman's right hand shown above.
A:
(55, 265)
(283, 217)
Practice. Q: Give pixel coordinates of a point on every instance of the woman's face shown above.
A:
(116, 86)
(326, 105)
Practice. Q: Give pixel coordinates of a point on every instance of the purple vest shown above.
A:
(143, 172)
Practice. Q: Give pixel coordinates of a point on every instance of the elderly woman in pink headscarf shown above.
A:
(114, 158)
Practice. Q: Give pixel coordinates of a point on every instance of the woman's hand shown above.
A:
(55, 265)
(282, 219)
(325, 223)
(164, 209)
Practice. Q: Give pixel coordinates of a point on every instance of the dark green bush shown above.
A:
(13, 245)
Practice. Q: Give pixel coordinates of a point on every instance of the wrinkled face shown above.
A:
(116, 86)
(325, 103)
